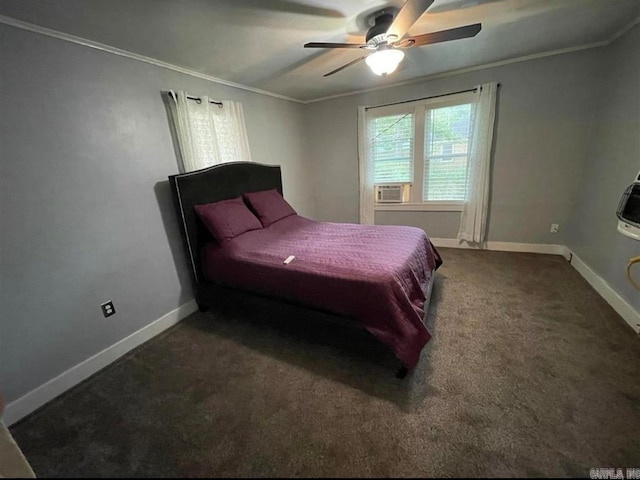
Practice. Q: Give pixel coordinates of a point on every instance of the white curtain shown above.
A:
(366, 169)
(473, 223)
(208, 133)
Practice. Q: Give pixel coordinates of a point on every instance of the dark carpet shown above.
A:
(529, 373)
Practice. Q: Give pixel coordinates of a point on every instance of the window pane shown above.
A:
(447, 148)
(392, 148)
(447, 179)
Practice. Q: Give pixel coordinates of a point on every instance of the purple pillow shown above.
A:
(269, 206)
(227, 219)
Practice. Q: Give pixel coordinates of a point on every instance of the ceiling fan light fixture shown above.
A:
(384, 62)
(388, 34)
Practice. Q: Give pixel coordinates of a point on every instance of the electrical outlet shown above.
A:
(108, 309)
(554, 227)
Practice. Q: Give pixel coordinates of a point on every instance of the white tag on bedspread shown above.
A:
(289, 259)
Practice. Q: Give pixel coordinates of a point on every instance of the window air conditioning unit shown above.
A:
(392, 193)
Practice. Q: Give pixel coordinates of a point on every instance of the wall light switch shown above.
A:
(554, 227)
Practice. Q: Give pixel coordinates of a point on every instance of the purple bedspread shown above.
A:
(373, 274)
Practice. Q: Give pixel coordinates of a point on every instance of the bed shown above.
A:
(376, 277)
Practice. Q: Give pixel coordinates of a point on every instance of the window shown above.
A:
(392, 148)
(447, 137)
(426, 144)
(208, 133)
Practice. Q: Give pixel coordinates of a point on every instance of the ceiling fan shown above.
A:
(386, 38)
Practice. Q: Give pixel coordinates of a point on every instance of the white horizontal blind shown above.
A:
(447, 147)
(392, 148)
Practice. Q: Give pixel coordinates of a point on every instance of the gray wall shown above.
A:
(543, 121)
(86, 213)
(85, 208)
(611, 165)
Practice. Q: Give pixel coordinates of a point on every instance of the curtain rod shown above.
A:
(427, 98)
(198, 99)
(173, 95)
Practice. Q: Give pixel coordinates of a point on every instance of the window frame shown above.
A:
(390, 110)
(419, 109)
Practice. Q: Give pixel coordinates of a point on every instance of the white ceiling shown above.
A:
(258, 43)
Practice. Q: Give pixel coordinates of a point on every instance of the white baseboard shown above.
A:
(619, 304)
(550, 249)
(45, 393)
(36, 398)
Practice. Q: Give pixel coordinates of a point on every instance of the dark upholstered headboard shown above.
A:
(220, 182)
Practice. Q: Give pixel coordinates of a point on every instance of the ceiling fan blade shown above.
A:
(409, 14)
(334, 45)
(441, 36)
(353, 62)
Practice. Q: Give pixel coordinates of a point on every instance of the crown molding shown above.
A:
(623, 30)
(484, 66)
(134, 56)
(453, 73)
(158, 63)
